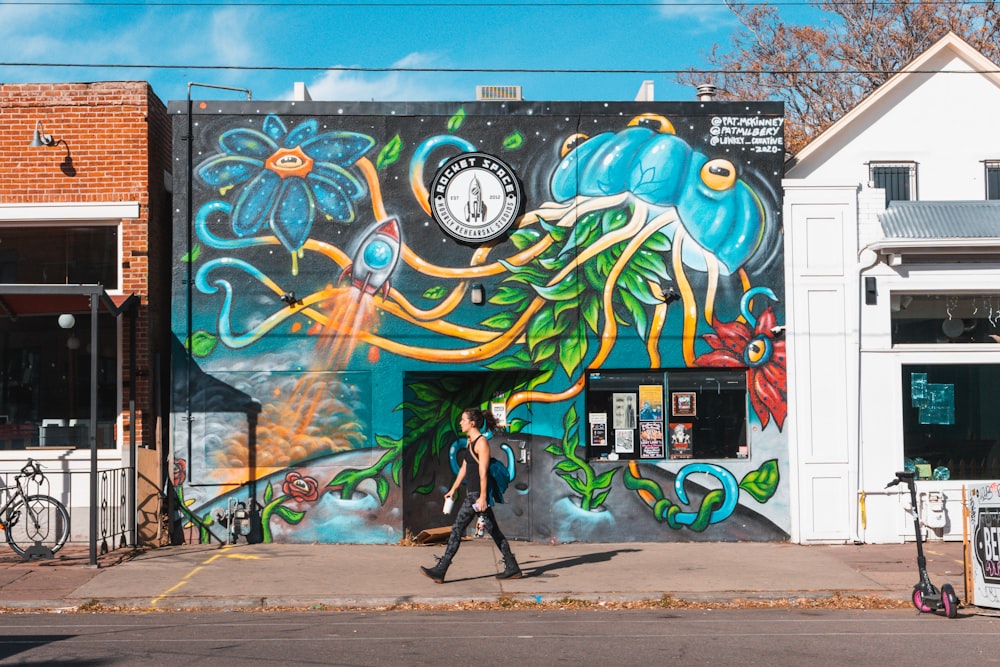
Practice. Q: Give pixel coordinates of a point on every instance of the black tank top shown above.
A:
(472, 470)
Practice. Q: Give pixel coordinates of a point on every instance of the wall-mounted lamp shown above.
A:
(478, 294)
(66, 321)
(41, 139)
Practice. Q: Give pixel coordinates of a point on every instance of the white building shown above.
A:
(894, 313)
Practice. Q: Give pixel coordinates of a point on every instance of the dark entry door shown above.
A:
(433, 404)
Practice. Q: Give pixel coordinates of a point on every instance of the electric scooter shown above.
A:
(926, 596)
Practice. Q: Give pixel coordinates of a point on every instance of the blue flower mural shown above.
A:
(286, 176)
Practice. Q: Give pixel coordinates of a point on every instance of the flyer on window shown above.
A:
(684, 404)
(598, 429)
(650, 402)
(651, 440)
(680, 440)
(624, 414)
(624, 441)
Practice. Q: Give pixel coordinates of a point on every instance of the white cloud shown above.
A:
(348, 85)
(703, 17)
(230, 36)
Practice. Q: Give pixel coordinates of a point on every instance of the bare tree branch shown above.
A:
(823, 71)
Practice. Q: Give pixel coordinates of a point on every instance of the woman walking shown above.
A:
(475, 464)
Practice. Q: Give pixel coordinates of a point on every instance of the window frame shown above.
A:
(38, 226)
(991, 167)
(678, 396)
(911, 168)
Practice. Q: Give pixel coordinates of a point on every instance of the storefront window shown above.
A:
(45, 382)
(667, 414)
(945, 318)
(60, 255)
(951, 424)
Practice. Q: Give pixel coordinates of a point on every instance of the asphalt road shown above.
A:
(766, 637)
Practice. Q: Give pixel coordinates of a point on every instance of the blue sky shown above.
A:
(367, 34)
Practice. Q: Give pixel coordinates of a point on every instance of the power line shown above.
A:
(489, 70)
(485, 4)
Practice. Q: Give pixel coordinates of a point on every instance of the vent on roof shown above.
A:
(498, 93)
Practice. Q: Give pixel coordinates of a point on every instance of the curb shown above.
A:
(730, 599)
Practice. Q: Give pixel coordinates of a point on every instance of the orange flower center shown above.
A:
(290, 162)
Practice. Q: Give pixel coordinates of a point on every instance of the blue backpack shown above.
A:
(498, 479)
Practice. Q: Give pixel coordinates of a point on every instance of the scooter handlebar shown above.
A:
(902, 476)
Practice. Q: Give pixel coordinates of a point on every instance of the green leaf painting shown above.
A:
(762, 482)
(513, 141)
(456, 121)
(389, 153)
(202, 343)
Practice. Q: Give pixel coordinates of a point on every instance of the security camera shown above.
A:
(778, 332)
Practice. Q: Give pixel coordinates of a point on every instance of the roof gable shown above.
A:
(947, 50)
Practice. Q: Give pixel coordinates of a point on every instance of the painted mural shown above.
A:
(330, 331)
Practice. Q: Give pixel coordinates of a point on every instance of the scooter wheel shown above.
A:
(918, 600)
(949, 600)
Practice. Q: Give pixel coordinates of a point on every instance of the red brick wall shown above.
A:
(117, 139)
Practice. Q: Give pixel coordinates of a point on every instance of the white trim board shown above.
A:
(70, 211)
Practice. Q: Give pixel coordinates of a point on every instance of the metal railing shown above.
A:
(115, 491)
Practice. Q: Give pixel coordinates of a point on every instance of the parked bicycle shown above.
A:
(35, 524)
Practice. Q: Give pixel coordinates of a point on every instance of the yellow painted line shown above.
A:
(187, 577)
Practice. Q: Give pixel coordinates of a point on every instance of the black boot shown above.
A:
(511, 569)
(437, 572)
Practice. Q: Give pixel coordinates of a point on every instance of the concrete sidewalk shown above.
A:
(334, 576)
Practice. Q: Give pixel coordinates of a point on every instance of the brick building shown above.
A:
(84, 217)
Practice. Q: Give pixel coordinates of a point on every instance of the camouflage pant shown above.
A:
(466, 513)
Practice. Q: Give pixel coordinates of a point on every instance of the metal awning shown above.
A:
(942, 220)
(939, 228)
(25, 300)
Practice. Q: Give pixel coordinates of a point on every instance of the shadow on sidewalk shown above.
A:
(70, 555)
(572, 561)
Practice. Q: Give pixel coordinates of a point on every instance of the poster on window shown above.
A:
(624, 411)
(598, 429)
(683, 404)
(651, 440)
(624, 441)
(680, 440)
(651, 402)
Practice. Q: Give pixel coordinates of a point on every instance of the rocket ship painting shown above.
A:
(375, 258)
(475, 208)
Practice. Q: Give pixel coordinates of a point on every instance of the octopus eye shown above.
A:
(757, 351)
(718, 174)
(653, 121)
(573, 141)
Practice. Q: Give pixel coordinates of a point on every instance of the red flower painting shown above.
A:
(735, 345)
(180, 471)
(300, 488)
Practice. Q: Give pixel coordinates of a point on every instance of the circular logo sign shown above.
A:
(475, 197)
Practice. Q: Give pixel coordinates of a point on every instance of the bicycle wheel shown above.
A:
(38, 523)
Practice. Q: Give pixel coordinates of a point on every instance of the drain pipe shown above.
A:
(189, 230)
(861, 268)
